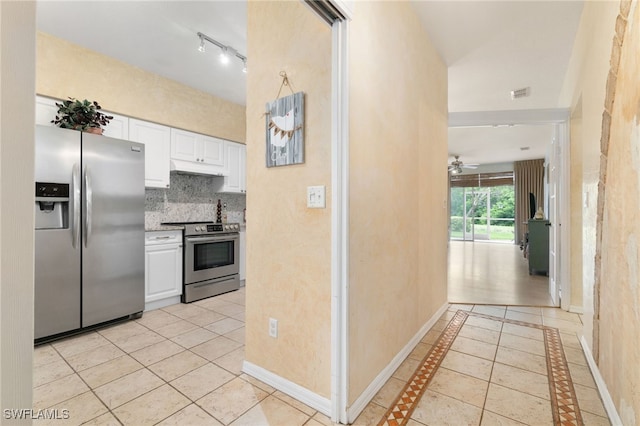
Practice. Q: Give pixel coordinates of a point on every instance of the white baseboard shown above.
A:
(576, 309)
(157, 304)
(361, 402)
(298, 392)
(609, 406)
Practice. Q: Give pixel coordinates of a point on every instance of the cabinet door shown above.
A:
(46, 110)
(232, 180)
(235, 180)
(157, 147)
(184, 146)
(163, 271)
(243, 168)
(118, 127)
(212, 151)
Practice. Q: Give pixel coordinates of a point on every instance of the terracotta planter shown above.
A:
(94, 130)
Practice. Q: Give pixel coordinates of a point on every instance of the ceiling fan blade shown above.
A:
(470, 166)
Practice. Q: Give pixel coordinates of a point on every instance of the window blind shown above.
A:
(482, 180)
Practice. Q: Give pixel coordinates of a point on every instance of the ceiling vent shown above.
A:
(520, 93)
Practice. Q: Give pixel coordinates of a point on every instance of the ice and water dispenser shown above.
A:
(52, 205)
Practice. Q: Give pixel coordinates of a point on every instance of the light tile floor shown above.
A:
(181, 365)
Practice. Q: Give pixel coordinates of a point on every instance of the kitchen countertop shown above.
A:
(163, 228)
(151, 228)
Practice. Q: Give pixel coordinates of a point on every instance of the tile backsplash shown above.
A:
(190, 198)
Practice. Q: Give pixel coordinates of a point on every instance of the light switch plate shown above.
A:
(316, 197)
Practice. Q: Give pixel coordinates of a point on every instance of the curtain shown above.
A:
(529, 178)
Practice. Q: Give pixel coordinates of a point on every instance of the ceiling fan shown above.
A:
(456, 165)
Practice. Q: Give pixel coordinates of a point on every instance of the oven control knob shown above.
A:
(235, 226)
(197, 229)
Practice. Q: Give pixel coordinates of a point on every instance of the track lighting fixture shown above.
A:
(227, 52)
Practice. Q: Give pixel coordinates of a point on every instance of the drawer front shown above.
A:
(152, 238)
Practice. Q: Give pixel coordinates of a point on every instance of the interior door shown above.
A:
(553, 177)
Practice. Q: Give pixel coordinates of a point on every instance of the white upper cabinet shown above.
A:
(184, 146)
(46, 110)
(213, 151)
(157, 148)
(118, 126)
(236, 158)
(196, 153)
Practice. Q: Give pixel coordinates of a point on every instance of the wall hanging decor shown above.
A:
(285, 128)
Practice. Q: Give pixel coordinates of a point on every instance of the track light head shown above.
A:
(224, 55)
(226, 52)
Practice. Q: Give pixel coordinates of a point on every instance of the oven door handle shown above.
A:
(198, 240)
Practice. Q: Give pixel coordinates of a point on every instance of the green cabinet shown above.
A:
(538, 247)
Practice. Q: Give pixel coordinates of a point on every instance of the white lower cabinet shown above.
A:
(163, 268)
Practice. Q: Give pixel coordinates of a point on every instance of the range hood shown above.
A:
(191, 168)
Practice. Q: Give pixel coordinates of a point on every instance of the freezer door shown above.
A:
(113, 229)
(57, 251)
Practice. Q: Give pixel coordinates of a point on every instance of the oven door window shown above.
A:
(212, 255)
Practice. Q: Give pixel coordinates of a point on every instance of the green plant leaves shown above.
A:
(80, 115)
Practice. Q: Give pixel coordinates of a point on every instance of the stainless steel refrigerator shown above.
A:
(89, 237)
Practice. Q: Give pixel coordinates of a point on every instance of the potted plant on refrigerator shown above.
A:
(81, 115)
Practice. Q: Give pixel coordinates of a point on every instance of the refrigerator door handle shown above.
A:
(75, 175)
(88, 195)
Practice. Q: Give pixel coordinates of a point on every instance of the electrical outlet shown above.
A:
(273, 327)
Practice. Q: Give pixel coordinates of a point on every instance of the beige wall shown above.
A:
(289, 245)
(398, 185)
(585, 85)
(68, 70)
(17, 111)
(619, 298)
(619, 349)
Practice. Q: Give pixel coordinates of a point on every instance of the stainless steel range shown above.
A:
(211, 259)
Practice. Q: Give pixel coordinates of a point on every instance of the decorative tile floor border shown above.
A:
(564, 403)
